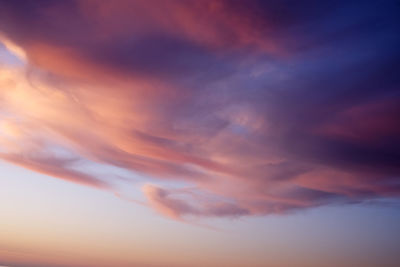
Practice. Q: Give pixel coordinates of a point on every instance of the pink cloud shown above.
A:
(169, 92)
(172, 204)
(55, 167)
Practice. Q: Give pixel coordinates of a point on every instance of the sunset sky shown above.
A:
(209, 133)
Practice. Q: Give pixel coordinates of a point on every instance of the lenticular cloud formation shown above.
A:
(223, 108)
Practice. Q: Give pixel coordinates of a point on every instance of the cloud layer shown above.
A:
(233, 109)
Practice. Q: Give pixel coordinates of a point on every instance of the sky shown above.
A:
(199, 133)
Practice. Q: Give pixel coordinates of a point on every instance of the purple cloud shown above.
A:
(263, 108)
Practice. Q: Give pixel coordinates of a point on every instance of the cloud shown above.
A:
(164, 201)
(56, 168)
(260, 108)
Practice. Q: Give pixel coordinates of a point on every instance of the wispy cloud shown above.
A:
(260, 108)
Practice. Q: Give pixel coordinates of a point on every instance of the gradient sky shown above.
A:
(199, 133)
